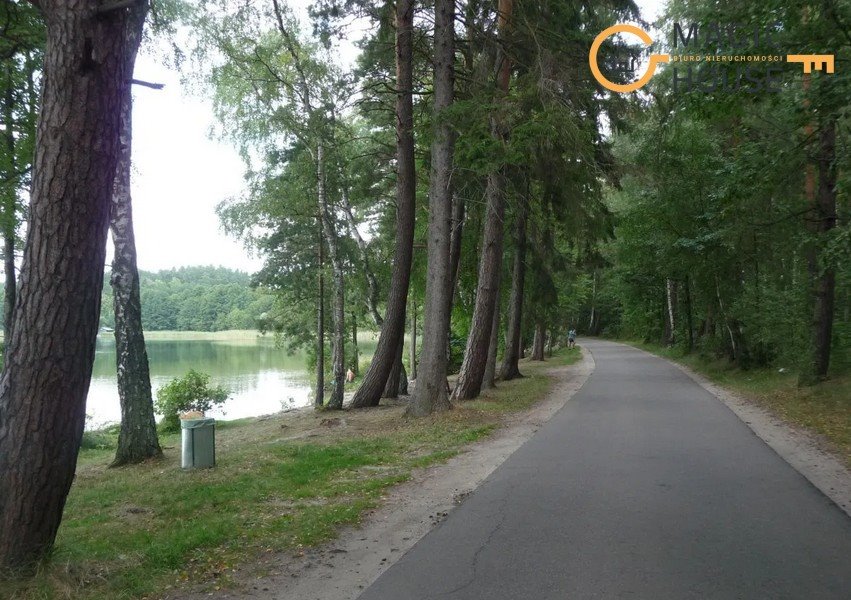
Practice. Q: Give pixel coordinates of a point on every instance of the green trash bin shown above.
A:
(199, 443)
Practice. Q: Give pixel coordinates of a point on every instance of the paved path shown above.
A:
(643, 486)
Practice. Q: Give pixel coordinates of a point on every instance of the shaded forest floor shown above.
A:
(823, 409)
(282, 483)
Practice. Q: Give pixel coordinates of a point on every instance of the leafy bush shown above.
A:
(189, 393)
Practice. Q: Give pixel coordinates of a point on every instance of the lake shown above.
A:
(262, 378)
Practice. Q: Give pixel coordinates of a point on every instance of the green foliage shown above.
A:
(192, 392)
(196, 299)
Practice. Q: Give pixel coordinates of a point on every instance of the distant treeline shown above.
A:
(194, 299)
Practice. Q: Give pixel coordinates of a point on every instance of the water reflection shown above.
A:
(263, 379)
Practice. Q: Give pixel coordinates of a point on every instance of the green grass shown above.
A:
(824, 409)
(137, 531)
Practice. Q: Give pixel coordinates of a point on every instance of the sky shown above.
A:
(181, 174)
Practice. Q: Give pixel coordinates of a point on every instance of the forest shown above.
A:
(466, 180)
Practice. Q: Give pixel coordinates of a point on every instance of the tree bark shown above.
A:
(338, 345)
(490, 266)
(689, 313)
(670, 312)
(388, 349)
(489, 378)
(539, 342)
(356, 357)
(414, 341)
(50, 355)
(455, 240)
(430, 394)
(822, 277)
(513, 338)
(137, 438)
(393, 387)
(319, 400)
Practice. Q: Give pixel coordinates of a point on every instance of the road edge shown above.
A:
(797, 447)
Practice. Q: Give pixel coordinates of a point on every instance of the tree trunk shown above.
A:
(455, 240)
(414, 342)
(431, 392)
(394, 379)
(392, 332)
(489, 378)
(478, 343)
(823, 277)
(356, 357)
(137, 438)
(319, 400)
(50, 355)
(670, 312)
(513, 338)
(689, 314)
(539, 342)
(338, 345)
(490, 265)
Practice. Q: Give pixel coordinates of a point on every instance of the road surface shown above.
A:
(644, 486)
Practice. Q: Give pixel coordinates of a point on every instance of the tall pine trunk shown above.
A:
(513, 338)
(50, 355)
(822, 276)
(540, 341)
(413, 354)
(430, 393)
(389, 348)
(338, 344)
(489, 378)
(490, 266)
(137, 438)
(319, 399)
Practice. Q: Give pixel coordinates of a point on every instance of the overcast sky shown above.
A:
(180, 174)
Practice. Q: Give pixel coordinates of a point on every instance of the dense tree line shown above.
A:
(733, 234)
(196, 299)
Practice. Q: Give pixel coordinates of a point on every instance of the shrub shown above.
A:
(191, 392)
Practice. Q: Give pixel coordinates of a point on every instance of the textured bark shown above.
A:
(319, 399)
(513, 342)
(822, 277)
(414, 342)
(338, 345)
(356, 357)
(430, 394)
(137, 438)
(489, 378)
(490, 265)
(388, 350)
(540, 340)
(393, 386)
(689, 313)
(50, 355)
(670, 312)
(478, 342)
(457, 236)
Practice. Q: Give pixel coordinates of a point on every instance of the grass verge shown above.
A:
(281, 484)
(824, 409)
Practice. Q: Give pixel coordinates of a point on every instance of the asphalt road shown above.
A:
(643, 486)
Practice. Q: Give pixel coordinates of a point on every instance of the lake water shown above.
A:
(262, 378)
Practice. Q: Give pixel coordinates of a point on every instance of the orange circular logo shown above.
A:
(655, 59)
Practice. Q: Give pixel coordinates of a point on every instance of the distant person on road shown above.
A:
(571, 338)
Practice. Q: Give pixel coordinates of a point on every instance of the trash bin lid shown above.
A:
(196, 423)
